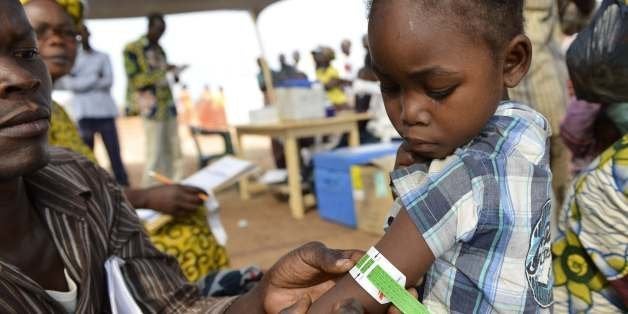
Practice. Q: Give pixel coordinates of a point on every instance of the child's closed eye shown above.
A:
(440, 94)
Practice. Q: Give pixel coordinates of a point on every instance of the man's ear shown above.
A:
(518, 56)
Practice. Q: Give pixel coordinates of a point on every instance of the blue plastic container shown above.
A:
(332, 177)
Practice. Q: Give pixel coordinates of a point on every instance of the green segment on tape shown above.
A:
(362, 261)
(401, 298)
(367, 265)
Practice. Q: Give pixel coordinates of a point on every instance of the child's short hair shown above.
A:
(497, 21)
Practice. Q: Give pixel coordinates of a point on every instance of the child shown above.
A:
(329, 77)
(475, 210)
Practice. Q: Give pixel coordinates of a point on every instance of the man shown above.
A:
(348, 70)
(287, 71)
(149, 94)
(93, 107)
(62, 217)
(545, 85)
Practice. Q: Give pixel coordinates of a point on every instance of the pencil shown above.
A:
(165, 180)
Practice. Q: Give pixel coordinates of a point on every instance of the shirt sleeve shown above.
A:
(154, 279)
(106, 80)
(439, 201)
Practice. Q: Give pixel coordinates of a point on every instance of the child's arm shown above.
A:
(404, 247)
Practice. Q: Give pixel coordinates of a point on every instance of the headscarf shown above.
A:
(74, 8)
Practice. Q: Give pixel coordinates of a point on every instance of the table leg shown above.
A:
(354, 136)
(291, 151)
(244, 182)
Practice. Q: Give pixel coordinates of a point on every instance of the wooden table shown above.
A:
(290, 132)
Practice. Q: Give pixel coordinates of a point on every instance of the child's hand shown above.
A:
(406, 158)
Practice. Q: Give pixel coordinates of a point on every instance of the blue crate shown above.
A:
(332, 178)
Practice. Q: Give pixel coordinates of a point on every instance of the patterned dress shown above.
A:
(591, 252)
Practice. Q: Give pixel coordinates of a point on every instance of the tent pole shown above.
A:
(268, 79)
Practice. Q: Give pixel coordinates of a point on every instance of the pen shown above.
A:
(165, 180)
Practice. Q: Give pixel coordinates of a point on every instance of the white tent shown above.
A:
(99, 9)
(103, 9)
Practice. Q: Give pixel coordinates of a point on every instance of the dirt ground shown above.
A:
(261, 229)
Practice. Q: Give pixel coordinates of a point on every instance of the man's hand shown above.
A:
(306, 272)
(302, 275)
(173, 199)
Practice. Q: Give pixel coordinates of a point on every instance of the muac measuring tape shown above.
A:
(385, 283)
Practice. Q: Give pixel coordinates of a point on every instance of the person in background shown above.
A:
(149, 92)
(185, 109)
(545, 85)
(296, 58)
(261, 81)
(287, 71)
(199, 251)
(92, 106)
(327, 75)
(348, 69)
(590, 261)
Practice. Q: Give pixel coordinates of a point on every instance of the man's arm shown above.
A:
(78, 83)
(138, 76)
(106, 76)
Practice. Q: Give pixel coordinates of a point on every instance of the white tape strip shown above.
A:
(364, 267)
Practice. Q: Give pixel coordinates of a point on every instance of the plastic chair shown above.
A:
(204, 160)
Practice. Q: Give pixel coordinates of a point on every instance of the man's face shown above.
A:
(440, 86)
(156, 30)
(56, 36)
(25, 89)
(345, 46)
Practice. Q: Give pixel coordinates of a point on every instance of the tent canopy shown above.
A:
(102, 9)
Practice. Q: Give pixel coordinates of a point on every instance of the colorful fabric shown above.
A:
(335, 95)
(75, 8)
(230, 282)
(63, 133)
(90, 220)
(591, 250)
(484, 212)
(192, 243)
(148, 90)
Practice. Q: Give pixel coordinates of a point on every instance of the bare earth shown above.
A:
(261, 229)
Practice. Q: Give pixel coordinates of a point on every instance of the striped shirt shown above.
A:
(90, 220)
(484, 213)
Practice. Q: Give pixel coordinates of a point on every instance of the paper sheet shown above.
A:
(120, 297)
(225, 171)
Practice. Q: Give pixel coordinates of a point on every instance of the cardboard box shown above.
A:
(372, 194)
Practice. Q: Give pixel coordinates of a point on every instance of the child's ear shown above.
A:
(517, 60)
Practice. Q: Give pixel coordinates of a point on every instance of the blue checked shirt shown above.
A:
(484, 212)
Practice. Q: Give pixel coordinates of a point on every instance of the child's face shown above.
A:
(440, 85)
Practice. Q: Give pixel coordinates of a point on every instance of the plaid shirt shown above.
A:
(484, 212)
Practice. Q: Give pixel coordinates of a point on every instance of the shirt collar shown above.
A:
(52, 188)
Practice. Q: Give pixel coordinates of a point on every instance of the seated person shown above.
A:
(195, 247)
(63, 216)
(474, 204)
(590, 262)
